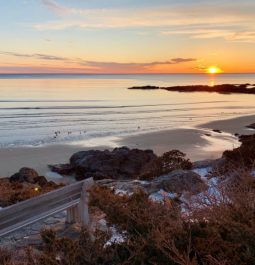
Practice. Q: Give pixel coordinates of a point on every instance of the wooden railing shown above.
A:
(73, 198)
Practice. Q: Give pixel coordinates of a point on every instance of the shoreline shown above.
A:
(193, 142)
(198, 143)
(233, 125)
(12, 159)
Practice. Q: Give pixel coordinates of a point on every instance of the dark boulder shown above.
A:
(25, 174)
(41, 181)
(251, 126)
(120, 163)
(62, 169)
(213, 163)
(16, 178)
(243, 156)
(217, 131)
(145, 87)
(28, 174)
(179, 181)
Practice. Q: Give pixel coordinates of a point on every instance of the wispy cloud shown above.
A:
(56, 8)
(209, 33)
(99, 66)
(35, 55)
(224, 14)
(62, 10)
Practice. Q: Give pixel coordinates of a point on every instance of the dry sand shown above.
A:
(12, 159)
(193, 142)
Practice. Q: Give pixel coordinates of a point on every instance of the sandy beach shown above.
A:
(193, 142)
(198, 143)
(12, 159)
(235, 125)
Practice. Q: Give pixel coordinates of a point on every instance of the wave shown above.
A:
(99, 107)
(48, 101)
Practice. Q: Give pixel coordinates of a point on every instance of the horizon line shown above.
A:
(60, 73)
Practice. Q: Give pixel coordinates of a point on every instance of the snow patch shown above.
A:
(116, 238)
(202, 172)
(122, 192)
(161, 195)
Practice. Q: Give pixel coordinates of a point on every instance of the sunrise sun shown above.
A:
(213, 70)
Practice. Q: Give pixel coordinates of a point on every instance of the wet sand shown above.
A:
(235, 125)
(194, 142)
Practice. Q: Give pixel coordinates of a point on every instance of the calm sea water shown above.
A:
(93, 107)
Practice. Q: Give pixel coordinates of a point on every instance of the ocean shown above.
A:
(42, 109)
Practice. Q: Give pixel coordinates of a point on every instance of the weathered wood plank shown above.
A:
(63, 192)
(30, 211)
(84, 202)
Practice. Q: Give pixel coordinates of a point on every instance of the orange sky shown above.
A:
(118, 37)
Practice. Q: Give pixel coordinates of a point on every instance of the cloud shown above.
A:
(183, 60)
(209, 32)
(56, 8)
(172, 61)
(35, 55)
(236, 20)
(62, 10)
(99, 66)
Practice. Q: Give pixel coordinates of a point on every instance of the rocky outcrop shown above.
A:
(121, 163)
(214, 164)
(145, 87)
(124, 163)
(23, 185)
(25, 174)
(217, 130)
(243, 156)
(251, 126)
(224, 88)
(28, 175)
(62, 169)
(178, 181)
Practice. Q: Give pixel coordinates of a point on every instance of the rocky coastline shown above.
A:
(24, 184)
(131, 169)
(224, 88)
(170, 177)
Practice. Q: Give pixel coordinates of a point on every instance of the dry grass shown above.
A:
(219, 230)
(11, 193)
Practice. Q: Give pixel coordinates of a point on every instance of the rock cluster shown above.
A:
(120, 163)
(23, 185)
(28, 175)
(225, 88)
(251, 126)
(243, 156)
(177, 181)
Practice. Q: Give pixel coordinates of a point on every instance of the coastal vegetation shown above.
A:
(24, 185)
(172, 216)
(214, 232)
(127, 132)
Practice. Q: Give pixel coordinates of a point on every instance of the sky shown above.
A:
(131, 36)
